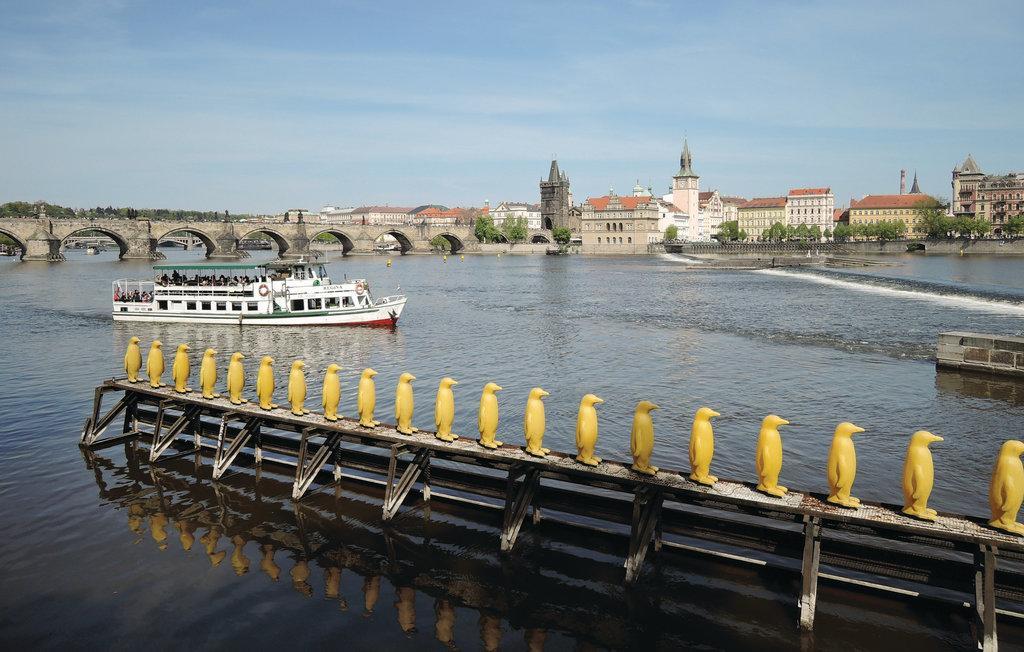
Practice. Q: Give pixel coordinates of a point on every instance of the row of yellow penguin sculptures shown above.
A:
(1006, 492)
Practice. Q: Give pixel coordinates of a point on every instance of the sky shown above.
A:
(263, 106)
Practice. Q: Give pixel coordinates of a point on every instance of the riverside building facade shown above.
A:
(619, 225)
(992, 197)
(757, 215)
(907, 208)
(810, 206)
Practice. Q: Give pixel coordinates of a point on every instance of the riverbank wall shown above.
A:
(992, 354)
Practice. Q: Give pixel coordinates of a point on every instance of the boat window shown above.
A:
(297, 304)
(191, 305)
(206, 305)
(237, 305)
(221, 305)
(252, 306)
(331, 302)
(161, 305)
(300, 273)
(346, 301)
(315, 304)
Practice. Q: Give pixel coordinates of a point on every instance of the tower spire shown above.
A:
(554, 176)
(686, 161)
(915, 189)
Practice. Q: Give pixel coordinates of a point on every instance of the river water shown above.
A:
(96, 556)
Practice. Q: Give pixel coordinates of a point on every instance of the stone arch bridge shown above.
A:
(43, 238)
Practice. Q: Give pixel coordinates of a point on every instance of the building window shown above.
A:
(629, 240)
(599, 240)
(607, 226)
(620, 226)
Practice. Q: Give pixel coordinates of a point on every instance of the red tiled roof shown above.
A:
(433, 213)
(704, 196)
(839, 213)
(629, 203)
(796, 192)
(765, 202)
(382, 209)
(894, 201)
(734, 200)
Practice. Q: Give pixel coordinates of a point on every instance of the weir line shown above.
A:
(954, 554)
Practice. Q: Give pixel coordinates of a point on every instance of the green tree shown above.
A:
(935, 222)
(728, 231)
(814, 233)
(441, 243)
(842, 233)
(514, 229)
(672, 232)
(963, 225)
(982, 227)
(742, 235)
(1015, 226)
(484, 229)
(801, 232)
(562, 235)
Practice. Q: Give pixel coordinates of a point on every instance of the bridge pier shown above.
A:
(226, 248)
(42, 246)
(142, 248)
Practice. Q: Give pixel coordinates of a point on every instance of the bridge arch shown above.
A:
(404, 242)
(207, 241)
(18, 241)
(346, 241)
(915, 246)
(118, 239)
(282, 243)
(455, 243)
(539, 238)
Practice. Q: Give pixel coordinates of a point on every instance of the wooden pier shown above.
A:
(875, 546)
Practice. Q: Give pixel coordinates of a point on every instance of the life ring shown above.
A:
(264, 290)
(360, 288)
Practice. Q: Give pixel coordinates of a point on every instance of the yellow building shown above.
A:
(619, 225)
(757, 215)
(908, 208)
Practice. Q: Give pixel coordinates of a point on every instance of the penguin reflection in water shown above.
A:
(641, 438)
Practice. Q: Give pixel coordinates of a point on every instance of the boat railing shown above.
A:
(384, 301)
(204, 290)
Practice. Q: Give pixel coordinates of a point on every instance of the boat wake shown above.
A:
(1003, 303)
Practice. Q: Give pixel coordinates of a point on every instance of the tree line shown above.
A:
(55, 211)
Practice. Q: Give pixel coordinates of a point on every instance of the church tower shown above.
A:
(555, 199)
(686, 184)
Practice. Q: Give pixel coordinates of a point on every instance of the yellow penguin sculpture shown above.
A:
(842, 466)
(297, 388)
(265, 383)
(331, 392)
(533, 423)
(181, 369)
(155, 364)
(236, 379)
(366, 399)
(1006, 493)
(641, 438)
(208, 374)
(487, 419)
(769, 456)
(919, 476)
(133, 360)
(404, 404)
(444, 409)
(586, 431)
(702, 446)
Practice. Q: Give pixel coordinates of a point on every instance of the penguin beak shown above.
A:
(856, 429)
(598, 400)
(270, 360)
(455, 382)
(936, 438)
(411, 378)
(783, 422)
(654, 407)
(498, 388)
(213, 351)
(544, 393)
(712, 413)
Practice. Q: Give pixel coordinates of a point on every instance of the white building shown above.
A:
(337, 215)
(810, 206)
(712, 211)
(381, 215)
(730, 208)
(507, 209)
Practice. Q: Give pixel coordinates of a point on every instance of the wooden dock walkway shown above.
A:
(954, 553)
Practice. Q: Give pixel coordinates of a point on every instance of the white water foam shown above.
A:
(973, 303)
(682, 259)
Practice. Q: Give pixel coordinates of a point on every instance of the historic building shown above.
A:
(507, 209)
(556, 200)
(437, 216)
(712, 211)
(810, 206)
(381, 215)
(730, 208)
(991, 197)
(619, 225)
(685, 197)
(908, 208)
(757, 215)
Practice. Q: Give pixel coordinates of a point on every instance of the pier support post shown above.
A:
(95, 425)
(809, 571)
(395, 493)
(305, 474)
(985, 598)
(226, 455)
(161, 441)
(647, 503)
(517, 502)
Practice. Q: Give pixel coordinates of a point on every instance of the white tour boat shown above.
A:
(278, 293)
